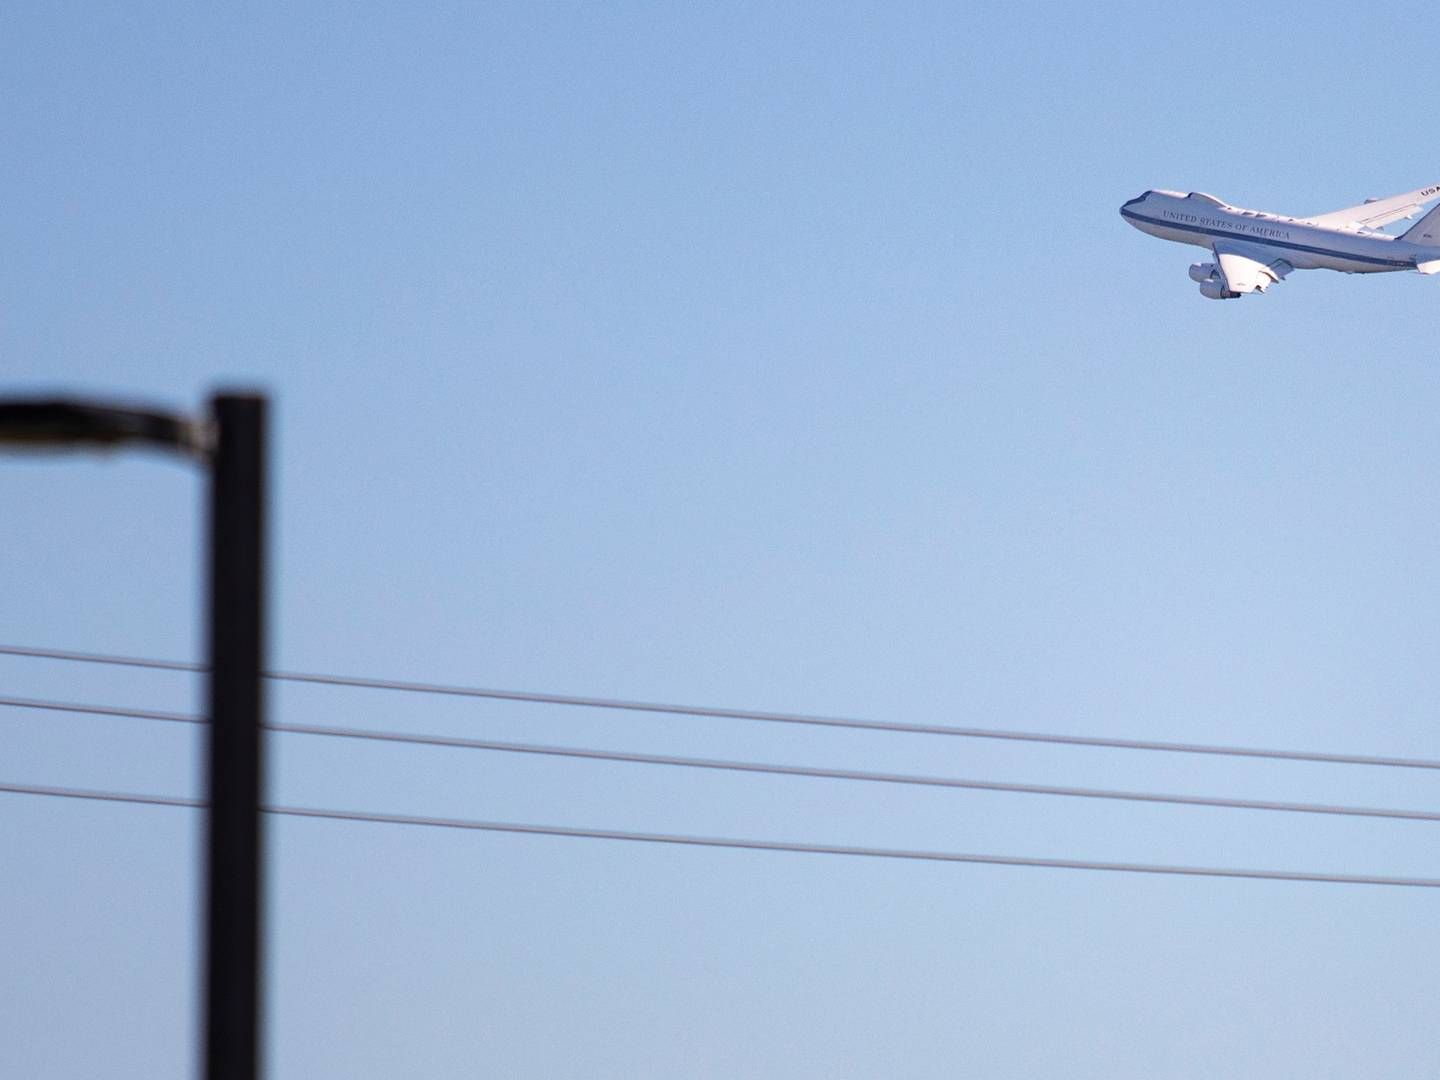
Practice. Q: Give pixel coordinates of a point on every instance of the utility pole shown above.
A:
(231, 441)
(234, 879)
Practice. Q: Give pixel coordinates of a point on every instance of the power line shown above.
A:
(100, 658)
(850, 723)
(863, 852)
(747, 845)
(102, 796)
(718, 764)
(101, 710)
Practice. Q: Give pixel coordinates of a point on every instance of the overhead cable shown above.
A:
(718, 764)
(750, 845)
(893, 727)
(101, 710)
(103, 796)
(857, 775)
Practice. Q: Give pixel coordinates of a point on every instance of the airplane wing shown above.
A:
(1249, 267)
(1373, 213)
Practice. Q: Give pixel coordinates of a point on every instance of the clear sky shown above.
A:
(789, 356)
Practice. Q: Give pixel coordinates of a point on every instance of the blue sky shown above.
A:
(785, 356)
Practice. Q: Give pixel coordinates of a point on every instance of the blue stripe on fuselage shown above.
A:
(1267, 242)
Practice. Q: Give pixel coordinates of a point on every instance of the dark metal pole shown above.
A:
(234, 890)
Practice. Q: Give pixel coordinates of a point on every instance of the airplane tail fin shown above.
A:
(1425, 231)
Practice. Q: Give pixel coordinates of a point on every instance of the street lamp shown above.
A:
(231, 441)
(65, 423)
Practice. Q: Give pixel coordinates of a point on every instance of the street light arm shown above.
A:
(63, 423)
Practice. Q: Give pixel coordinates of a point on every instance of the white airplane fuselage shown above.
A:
(1205, 221)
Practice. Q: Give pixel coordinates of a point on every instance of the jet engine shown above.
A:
(1212, 285)
(1214, 290)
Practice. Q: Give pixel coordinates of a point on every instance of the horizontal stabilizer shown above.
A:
(1431, 267)
(1425, 231)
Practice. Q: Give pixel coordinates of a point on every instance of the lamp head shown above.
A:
(70, 423)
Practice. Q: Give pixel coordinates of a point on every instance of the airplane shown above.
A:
(1253, 250)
